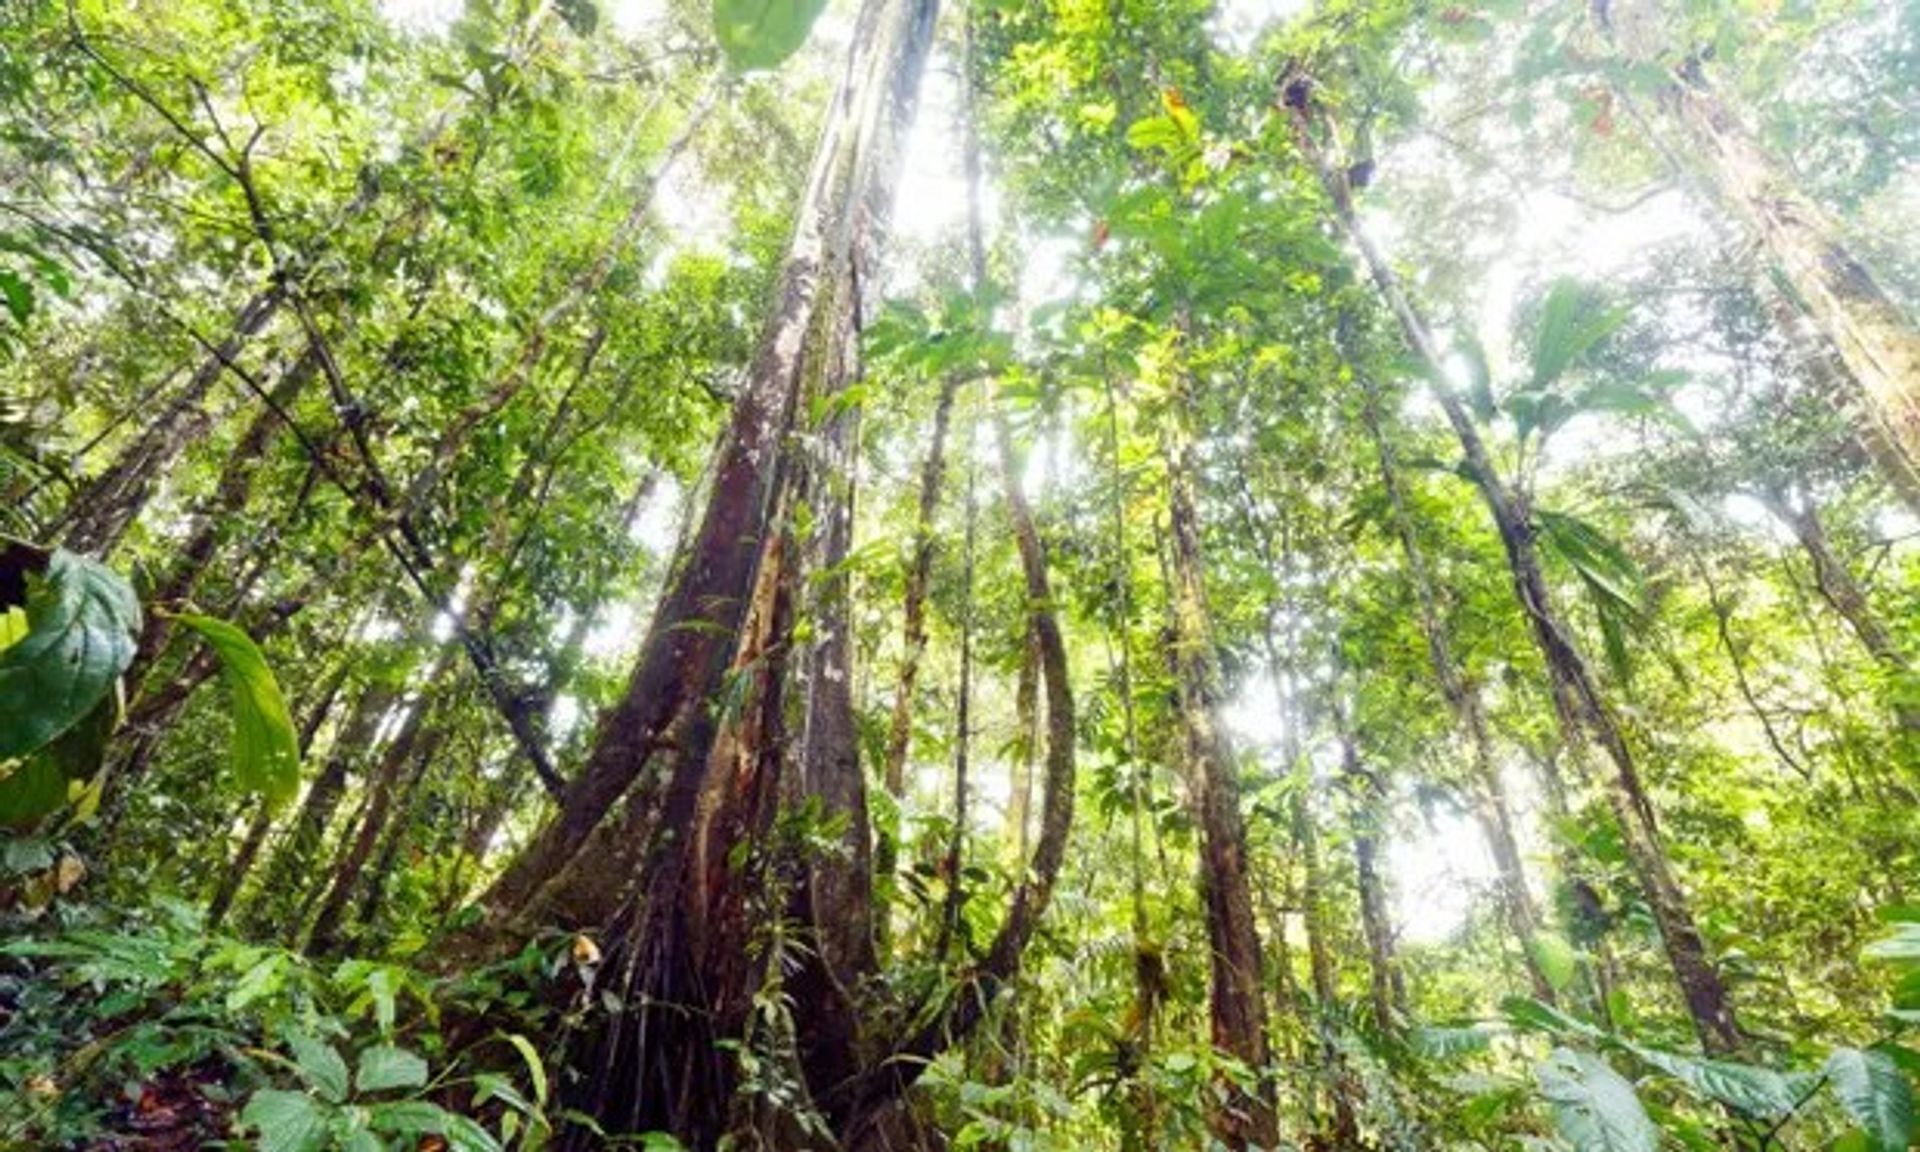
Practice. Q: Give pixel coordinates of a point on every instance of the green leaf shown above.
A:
(1900, 945)
(1438, 1043)
(1558, 961)
(536, 1068)
(1761, 1093)
(266, 749)
(1594, 1107)
(286, 1121)
(1570, 326)
(82, 621)
(761, 33)
(409, 1118)
(1875, 1093)
(1530, 1015)
(30, 791)
(320, 1065)
(385, 1067)
(466, 1135)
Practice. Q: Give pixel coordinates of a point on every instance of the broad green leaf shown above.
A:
(30, 790)
(1875, 1093)
(82, 621)
(320, 1065)
(757, 34)
(1594, 1107)
(384, 1067)
(1761, 1093)
(1558, 960)
(286, 1121)
(409, 1118)
(1570, 325)
(1530, 1015)
(266, 749)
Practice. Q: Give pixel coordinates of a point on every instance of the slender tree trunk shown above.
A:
(294, 856)
(383, 788)
(913, 629)
(1237, 1001)
(1834, 580)
(1492, 808)
(1365, 800)
(1578, 704)
(101, 515)
(217, 515)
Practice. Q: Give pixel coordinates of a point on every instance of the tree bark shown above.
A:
(383, 788)
(663, 717)
(1237, 1002)
(913, 637)
(1870, 335)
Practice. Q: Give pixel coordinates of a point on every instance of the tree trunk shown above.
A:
(913, 630)
(663, 717)
(1237, 1003)
(293, 858)
(385, 785)
(1878, 345)
(101, 515)
(1579, 706)
(1836, 584)
(217, 515)
(1492, 809)
(1365, 799)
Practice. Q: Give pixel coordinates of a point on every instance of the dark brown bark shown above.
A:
(1237, 1000)
(663, 716)
(1579, 705)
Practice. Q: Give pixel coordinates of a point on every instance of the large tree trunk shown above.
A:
(1878, 345)
(1237, 1002)
(664, 718)
(1579, 705)
(1492, 808)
